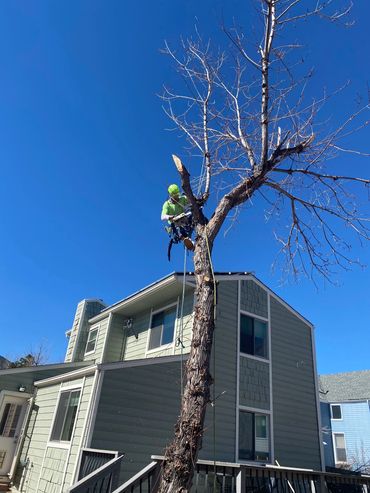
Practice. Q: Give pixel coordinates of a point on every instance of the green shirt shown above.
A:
(174, 208)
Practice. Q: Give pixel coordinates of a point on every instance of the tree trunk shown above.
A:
(182, 453)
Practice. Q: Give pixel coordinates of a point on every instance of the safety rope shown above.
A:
(214, 360)
(181, 336)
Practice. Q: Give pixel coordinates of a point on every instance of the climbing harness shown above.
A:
(181, 227)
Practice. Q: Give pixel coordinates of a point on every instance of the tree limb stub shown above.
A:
(185, 183)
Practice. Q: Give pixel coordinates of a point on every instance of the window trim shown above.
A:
(331, 412)
(261, 319)
(63, 443)
(255, 411)
(97, 328)
(336, 461)
(170, 344)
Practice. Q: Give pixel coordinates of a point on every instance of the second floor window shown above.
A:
(253, 336)
(91, 340)
(162, 327)
(336, 411)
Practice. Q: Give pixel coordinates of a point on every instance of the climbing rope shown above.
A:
(214, 361)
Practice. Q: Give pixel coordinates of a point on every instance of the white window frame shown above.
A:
(267, 322)
(63, 443)
(335, 448)
(97, 328)
(163, 346)
(331, 412)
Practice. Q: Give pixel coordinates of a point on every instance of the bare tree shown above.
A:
(34, 357)
(249, 121)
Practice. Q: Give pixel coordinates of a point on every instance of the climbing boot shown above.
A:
(188, 243)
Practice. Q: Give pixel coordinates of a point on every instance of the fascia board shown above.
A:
(72, 375)
(135, 297)
(27, 369)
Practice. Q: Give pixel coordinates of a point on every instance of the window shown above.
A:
(254, 443)
(162, 327)
(336, 411)
(9, 420)
(253, 336)
(65, 417)
(91, 340)
(340, 448)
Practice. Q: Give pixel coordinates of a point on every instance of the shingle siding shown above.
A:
(254, 386)
(253, 298)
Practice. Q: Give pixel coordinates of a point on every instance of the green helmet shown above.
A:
(173, 190)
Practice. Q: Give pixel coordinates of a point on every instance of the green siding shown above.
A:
(225, 377)
(254, 386)
(253, 298)
(137, 410)
(294, 397)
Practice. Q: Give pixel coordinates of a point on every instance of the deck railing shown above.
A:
(103, 480)
(222, 477)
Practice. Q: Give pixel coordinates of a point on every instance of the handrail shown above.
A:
(140, 476)
(112, 467)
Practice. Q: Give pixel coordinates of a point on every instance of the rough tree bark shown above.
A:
(182, 454)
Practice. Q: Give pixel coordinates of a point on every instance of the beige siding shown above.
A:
(47, 461)
(137, 336)
(116, 339)
(97, 355)
(74, 331)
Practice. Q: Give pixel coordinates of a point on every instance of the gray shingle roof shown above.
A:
(340, 387)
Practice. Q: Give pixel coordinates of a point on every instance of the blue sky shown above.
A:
(85, 162)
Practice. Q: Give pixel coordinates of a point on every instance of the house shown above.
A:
(119, 388)
(345, 407)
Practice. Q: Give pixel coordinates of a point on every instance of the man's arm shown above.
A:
(165, 216)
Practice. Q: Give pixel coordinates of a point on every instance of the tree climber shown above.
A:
(176, 211)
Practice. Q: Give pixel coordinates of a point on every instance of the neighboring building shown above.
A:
(4, 363)
(121, 385)
(345, 411)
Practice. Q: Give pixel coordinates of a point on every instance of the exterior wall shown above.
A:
(296, 433)
(102, 335)
(86, 309)
(254, 383)
(137, 336)
(225, 377)
(355, 424)
(253, 298)
(116, 339)
(50, 466)
(137, 410)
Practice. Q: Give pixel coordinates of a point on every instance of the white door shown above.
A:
(12, 411)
